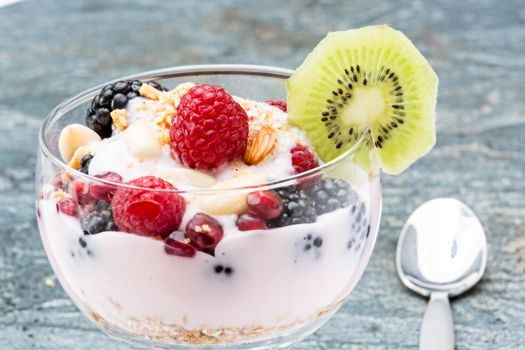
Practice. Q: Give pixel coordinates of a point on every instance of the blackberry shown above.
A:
(112, 96)
(84, 164)
(99, 220)
(298, 208)
(331, 194)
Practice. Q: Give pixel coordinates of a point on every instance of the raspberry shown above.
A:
(174, 247)
(209, 130)
(247, 222)
(204, 231)
(303, 159)
(80, 191)
(265, 204)
(68, 206)
(279, 104)
(148, 212)
(57, 182)
(105, 192)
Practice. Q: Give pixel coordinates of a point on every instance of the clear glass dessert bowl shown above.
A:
(258, 289)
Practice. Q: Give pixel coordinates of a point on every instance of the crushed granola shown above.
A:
(120, 119)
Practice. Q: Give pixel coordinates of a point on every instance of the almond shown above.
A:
(177, 93)
(77, 156)
(72, 137)
(150, 92)
(120, 118)
(176, 176)
(143, 139)
(229, 201)
(260, 144)
(58, 195)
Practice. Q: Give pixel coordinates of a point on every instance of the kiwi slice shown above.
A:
(373, 80)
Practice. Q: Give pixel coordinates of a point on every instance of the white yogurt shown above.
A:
(276, 280)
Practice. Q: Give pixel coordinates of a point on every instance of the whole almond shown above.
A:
(229, 202)
(72, 137)
(260, 144)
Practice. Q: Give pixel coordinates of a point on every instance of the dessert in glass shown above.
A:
(192, 207)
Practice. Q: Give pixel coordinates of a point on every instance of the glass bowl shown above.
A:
(258, 289)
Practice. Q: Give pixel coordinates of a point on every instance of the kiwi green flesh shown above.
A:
(371, 79)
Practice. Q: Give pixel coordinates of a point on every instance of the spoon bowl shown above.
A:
(441, 253)
(442, 248)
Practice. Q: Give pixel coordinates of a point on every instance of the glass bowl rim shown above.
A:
(182, 71)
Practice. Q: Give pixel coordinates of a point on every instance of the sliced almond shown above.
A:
(77, 157)
(177, 93)
(260, 144)
(58, 195)
(150, 92)
(165, 137)
(164, 111)
(120, 119)
(72, 137)
(177, 176)
(229, 201)
(143, 139)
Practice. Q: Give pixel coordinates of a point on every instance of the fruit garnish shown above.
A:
(105, 192)
(175, 247)
(303, 159)
(260, 144)
(279, 104)
(113, 96)
(372, 79)
(148, 212)
(72, 137)
(99, 220)
(265, 204)
(84, 163)
(80, 191)
(248, 222)
(203, 231)
(68, 206)
(298, 208)
(210, 128)
(331, 194)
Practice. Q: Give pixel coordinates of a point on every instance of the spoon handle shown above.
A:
(437, 329)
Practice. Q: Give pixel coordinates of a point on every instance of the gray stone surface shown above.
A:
(52, 49)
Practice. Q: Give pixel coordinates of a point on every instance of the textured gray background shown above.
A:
(52, 49)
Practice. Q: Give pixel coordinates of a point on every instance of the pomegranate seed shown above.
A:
(247, 222)
(81, 193)
(57, 182)
(204, 231)
(68, 206)
(265, 204)
(174, 247)
(105, 192)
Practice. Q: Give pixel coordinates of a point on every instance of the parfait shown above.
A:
(193, 211)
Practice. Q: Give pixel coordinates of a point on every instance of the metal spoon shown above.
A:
(441, 253)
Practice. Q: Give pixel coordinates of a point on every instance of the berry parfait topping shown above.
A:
(193, 206)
